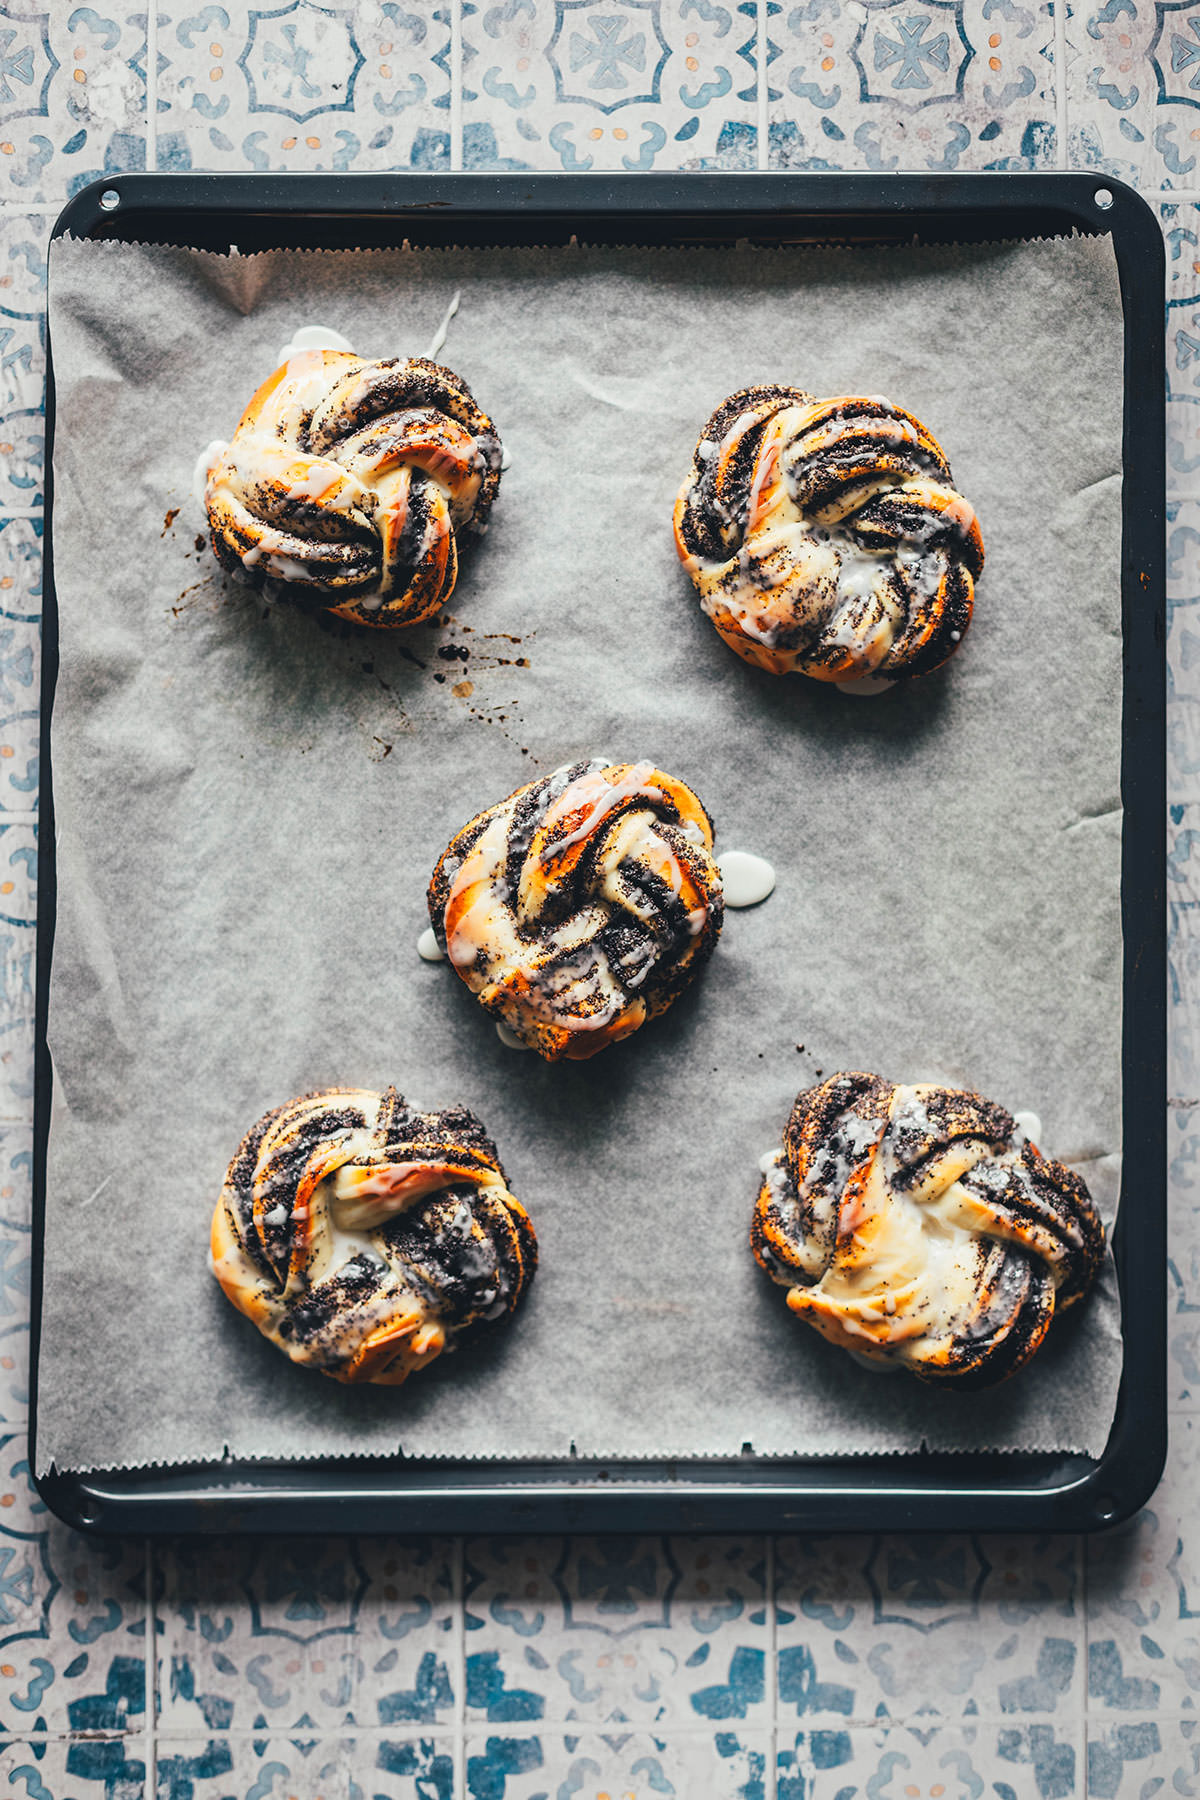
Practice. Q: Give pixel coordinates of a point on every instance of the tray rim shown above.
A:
(911, 1491)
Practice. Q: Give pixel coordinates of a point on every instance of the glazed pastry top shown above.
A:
(364, 1237)
(350, 483)
(917, 1225)
(582, 905)
(826, 537)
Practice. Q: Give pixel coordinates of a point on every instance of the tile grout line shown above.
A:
(531, 1730)
(763, 147)
(151, 1668)
(772, 1672)
(526, 1730)
(1060, 81)
(456, 99)
(458, 1601)
(152, 87)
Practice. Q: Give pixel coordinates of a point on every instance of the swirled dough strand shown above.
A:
(364, 1238)
(351, 482)
(826, 538)
(917, 1225)
(582, 905)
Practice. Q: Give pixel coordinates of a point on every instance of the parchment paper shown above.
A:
(249, 804)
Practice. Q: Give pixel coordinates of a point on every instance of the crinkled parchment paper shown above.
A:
(249, 803)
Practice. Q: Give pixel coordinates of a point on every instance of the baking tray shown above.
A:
(918, 1491)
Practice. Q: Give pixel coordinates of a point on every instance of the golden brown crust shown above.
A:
(364, 1238)
(826, 538)
(350, 484)
(582, 905)
(917, 1225)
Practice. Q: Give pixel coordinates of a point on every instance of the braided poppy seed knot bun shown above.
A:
(825, 537)
(351, 482)
(364, 1238)
(582, 905)
(916, 1225)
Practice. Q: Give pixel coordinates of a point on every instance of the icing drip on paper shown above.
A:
(746, 879)
(439, 336)
(314, 337)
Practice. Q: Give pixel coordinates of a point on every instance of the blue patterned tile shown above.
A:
(313, 1767)
(73, 94)
(16, 1207)
(304, 86)
(22, 359)
(1181, 226)
(21, 570)
(20, 647)
(1133, 96)
(1115, 126)
(17, 968)
(1183, 766)
(610, 1630)
(893, 1628)
(18, 867)
(296, 1633)
(267, 1652)
(1183, 420)
(1183, 977)
(18, 902)
(1140, 1757)
(1183, 1261)
(58, 1769)
(729, 1765)
(72, 1618)
(23, 238)
(1180, 220)
(609, 84)
(1144, 1597)
(1042, 1761)
(960, 84)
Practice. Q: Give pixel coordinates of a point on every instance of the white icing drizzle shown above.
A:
(747, 879)
(600, 798)
(314, 337)
(428, 948)
(210, 455)
(813, 574)
(912, 1248)
(564, 978)
(509, 1037)
(1027, 1125)
(439, 336)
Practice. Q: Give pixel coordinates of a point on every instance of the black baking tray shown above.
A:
(918, 1491)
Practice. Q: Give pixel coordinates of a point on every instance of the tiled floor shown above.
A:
(803, 1669)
